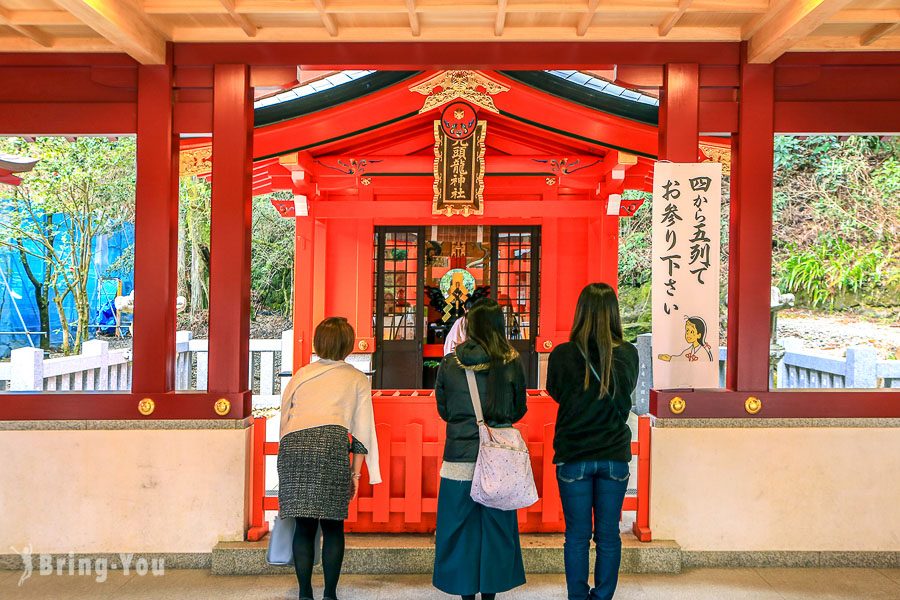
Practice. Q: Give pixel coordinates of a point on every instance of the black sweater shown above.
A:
(455, 405)
(589, 427)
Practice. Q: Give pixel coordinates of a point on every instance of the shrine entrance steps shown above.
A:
(379, 554)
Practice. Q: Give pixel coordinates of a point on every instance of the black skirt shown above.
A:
(314, 477)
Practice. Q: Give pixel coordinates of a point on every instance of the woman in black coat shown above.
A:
(477, 548)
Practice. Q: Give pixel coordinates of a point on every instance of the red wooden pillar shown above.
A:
(230, 222)
(609, 250)
(750, 238)
(679, 113)
(309, 285)
(155, 234)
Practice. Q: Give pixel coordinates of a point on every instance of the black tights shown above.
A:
(332, 554)
(483, 596)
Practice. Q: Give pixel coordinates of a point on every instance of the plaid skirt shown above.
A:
(314, 479)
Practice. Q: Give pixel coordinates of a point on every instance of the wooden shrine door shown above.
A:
(399, 307)
(515, 282)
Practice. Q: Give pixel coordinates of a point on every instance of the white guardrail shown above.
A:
(100, 369)
(800, 368)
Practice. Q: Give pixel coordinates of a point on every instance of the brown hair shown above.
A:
(598, 323)
(333, 339)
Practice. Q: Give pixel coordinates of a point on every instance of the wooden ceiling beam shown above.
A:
(414, 25)
(444, 7)
(448, 34)
(33, 33)
(876, 33)
(585, 21)
(757, 22)
(500, 23)
(871, 15)
(239, 19)
(60, 44)
(849, 43)
(672, 20)
(327, 18)
(122, 23)
(40, 18)
(795, 21)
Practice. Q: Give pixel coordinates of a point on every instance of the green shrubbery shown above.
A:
(836, 227)
(836, 219)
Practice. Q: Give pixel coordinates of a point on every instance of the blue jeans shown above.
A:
(594, 488)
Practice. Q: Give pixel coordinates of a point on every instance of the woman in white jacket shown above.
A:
(326, 415)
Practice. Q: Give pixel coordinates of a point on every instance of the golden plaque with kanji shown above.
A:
(459, 172)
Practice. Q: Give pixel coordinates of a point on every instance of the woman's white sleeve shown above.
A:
(363, 429)
(286, 406)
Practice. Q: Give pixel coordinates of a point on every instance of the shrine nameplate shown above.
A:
(459, 172)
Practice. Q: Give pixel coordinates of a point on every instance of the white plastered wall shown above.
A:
(794, 489)
(93, 491)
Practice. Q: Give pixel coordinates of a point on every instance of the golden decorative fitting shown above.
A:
(195, 161)
(363, 345)
(222, 407)
(146, 406)
(551, 180)
(547, 344)
(677, 405)
(366, 180)
(753, 405)
(459, 85)
(718, 154)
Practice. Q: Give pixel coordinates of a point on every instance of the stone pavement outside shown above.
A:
(697, 584)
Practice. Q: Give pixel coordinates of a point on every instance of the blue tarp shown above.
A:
(101, 291)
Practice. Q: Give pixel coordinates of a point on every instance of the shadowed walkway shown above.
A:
(698, 584)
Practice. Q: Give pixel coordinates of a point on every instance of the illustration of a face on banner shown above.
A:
(685, 275)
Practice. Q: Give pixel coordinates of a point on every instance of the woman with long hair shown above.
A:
(326, 415)
(477, 548)
(592, 377)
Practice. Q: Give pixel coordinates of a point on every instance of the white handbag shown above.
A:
(281, 543)
(503, 477)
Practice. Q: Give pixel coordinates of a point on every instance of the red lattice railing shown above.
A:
(411, 443)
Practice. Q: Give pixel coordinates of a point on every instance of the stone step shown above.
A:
(414, 554)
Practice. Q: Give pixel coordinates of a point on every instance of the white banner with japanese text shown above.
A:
(685, 274)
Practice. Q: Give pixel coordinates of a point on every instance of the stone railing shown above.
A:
(267, 359)
(100, 369)
(97, 368)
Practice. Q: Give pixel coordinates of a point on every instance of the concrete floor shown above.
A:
(698, 584)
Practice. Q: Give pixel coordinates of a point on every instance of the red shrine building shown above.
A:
(541, 204)
(423, 169)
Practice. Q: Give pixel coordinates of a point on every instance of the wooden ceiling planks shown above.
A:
(141, 28)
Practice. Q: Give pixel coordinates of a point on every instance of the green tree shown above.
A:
(272, 258)
(193, 246)
(78, 190)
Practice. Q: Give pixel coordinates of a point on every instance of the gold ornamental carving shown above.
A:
(222, 407)
(753, 405)
(146, 406)
(677, 405)
(362, 345)
(195, 161)
(718, 154)
(453, 85)
(548, 344)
